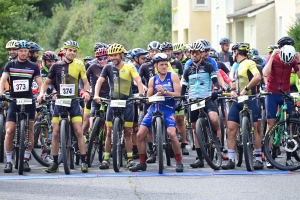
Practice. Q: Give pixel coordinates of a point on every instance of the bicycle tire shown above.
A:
(209, 144)
(269, 137)
(239, 150)
(64, 145)
(168, 154)
(117, 148)
(247, 146)
(16, 157)
(2, 135)
(222, 127)
(22, 147)
(159, 141)
(33, 151)
(70, 147)
(94, 143)
(190, 136)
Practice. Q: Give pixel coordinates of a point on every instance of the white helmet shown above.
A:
(287, 54)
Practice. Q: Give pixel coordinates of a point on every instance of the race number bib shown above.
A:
(21, 85)
(67, 89)
(34, 85)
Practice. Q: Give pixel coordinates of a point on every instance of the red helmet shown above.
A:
(101, 52)
(49, 55)
(60, 53)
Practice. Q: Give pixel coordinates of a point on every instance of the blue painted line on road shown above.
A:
(142, 174)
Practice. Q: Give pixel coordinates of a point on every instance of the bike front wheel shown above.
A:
(117, 147)
(64, 141)
(159, 142)
(22, 147)
(247, 144)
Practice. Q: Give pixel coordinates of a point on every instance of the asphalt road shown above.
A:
(203, 183)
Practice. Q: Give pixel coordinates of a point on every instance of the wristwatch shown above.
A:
(141, 95)
(165, 91)
(246, 88)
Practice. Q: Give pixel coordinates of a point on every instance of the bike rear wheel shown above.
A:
(159, 142)
(22, 147)
(209, 144)
(222, 127)
(64, 142)
(239, 150)
(2, 137)
(117, 148)
(247, 144)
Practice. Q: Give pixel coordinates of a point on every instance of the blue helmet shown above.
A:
(254, 52)
(137, 52)
(23, 44)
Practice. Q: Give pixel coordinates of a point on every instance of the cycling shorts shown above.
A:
(234, 112)
(169, 118)
(210, 106)
(13, 108)
(128, 115)
(87, 107)
(95, 106)
(74, 111)
(272, 103)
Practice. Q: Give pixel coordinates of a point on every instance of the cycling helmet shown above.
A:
(148, 58)
(115, 49)
(137, 52)
(287, 40)
(224, 41)
(160, 57)
(71, 44)
(9, 58)
(254, 52)
(213, 54)
(257, 59)
(101, 52)
(49, 55)
(271, 48)
(88, 58)
(212, 49)
(205, 43)
(100, 45)
(287, 54)
(178, 47)
(22, 44)
(34, 47)
(166, 46)
(154, 45)
(244, 47)
(60, 53)
(196, 46)
(11, 44)
(187, 47)
(235, 46)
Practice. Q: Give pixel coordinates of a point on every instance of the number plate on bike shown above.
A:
(156, 98)
(294, 94)
(118, 103)
(198, 105)
(243, 98)
(23, 101)
(63, 102)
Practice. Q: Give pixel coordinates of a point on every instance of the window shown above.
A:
(186, 36)
(280, 27)
(201, 5)
(217, 34)
(175, 17)
(229, 6)
(252, 31)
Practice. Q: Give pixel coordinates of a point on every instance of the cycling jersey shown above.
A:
(167, 84)
(294, 83)
(183, 60)
(21, 76)
(199, 80)
(223, 67)
(94, 71)
(67, 76)
(147, 71)
(209, 60)
(120, 80)
(224, 76)
(244, 73)
(226, 59)
(88, 64)
(279, 76)
(177, 67)
(44, 74)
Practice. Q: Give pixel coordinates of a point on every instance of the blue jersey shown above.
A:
(209, 60)
(167, 84)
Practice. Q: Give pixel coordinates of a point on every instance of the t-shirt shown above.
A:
(147, 71)
(120, 80)
(94, 72)
(226, 59)
(244, 74)
(66, 76)
(279, 76)
(21, 76)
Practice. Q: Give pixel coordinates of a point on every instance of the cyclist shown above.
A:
(224, 54)
(270, 50)
(19, 71)
(247, 78)
(120, 77)
(87, 59)
(167, 48)
(61, 55)
(199, 78)
(66, 73)
(187, 51)
(153, 48)
(254, 52)
(33, 56)
(278, 70)
(178, 50)
(166, 84)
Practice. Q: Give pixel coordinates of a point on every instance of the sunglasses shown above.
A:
(195, 52)
(206, 50)
(102, 58)
(177, 54)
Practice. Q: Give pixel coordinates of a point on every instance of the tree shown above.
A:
(294, 32)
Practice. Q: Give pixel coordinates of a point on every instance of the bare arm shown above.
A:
(150, 87)
(267, 69)
(86, 84)
(39, 81)
(176, 86)
(2, 82)
(98, 86)
(44, 86)
(138, 80)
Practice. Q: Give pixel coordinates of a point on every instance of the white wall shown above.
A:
(249, 23)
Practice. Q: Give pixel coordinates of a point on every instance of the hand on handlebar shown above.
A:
(97, 99)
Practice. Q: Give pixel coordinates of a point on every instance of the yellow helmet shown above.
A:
(12, 44)
(178, 47)
(115, 49)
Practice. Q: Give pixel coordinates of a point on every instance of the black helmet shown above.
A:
(154, 45)
(148, 58)
(160, 57)
(224, 41)
(88, 58)
(287, 40)
(166, 46)
(271, 48)
(137, 52)
(213, 54)
(100, 45)
(34, 47)
(258, 60)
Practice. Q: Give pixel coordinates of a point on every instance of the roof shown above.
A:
(251, 9)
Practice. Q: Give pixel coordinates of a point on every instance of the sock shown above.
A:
(257, 153)
(134, 149)
(83, 158)
(178, 158)
(9, 156)
(27, 155)
(199, 153)
(55, 159)
(142, 158)
(129, 156)
(231, 154)
(106, 155)
(150, 144)
(288, 155)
